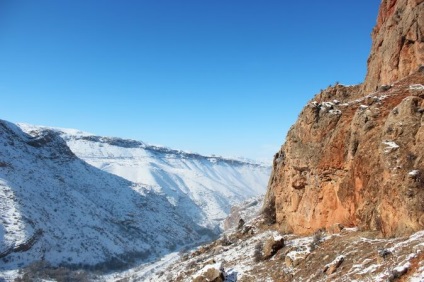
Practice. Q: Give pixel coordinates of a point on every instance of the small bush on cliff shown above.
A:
(272, 246)
(241, 224)
(316, 239)
(257, 254)
(269, 213)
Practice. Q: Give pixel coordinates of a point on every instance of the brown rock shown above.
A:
(335, 228)
(210, 274)
(332, 267)
(299, 183)
(398, 42)
(272, 246)
(293, 260)
(288, 262)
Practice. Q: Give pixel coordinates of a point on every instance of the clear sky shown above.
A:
(225, 77)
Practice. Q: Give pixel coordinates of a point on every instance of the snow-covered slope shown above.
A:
(56, 207)
(68, 197)
(203, 187)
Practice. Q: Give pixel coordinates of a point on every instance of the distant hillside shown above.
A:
(202, 187)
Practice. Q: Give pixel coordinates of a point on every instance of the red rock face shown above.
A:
(358, 162)
(355, 156)
(398, 42)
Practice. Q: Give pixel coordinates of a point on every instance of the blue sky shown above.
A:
(226, 77)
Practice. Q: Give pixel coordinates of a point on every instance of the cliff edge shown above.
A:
(355, 155)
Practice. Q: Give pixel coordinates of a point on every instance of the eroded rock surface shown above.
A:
(398, 42)
(355, 162)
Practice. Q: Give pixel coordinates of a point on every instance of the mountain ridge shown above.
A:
(132, 143)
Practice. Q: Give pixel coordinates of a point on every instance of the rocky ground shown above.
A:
(255, 253)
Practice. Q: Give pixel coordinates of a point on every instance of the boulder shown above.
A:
(332, 267)
(210, 273)
(272, 246)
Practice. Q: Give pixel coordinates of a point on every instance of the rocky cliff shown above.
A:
(398, 42)
(355, 156)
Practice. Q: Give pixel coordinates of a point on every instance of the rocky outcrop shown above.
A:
(398, 42)
(272, 246)
(355, 155)
(356, 162)
(211, 273)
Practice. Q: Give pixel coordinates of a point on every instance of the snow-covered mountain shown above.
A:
(56, 207)
(204, 187)
(56, 204)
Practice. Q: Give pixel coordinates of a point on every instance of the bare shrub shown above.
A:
(316, 239)
(269, 213)
(257, 254)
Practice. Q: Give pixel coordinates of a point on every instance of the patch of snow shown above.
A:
(390, 146)
(351, 229)
(402, 268)
(370, 269)
(337, 260)
(278, 237)
(335, 112)
(416, 87)
(328, 104)
(216, 267)
(302, 248)
(414, 172)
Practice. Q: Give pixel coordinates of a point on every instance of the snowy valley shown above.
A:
(79, 200)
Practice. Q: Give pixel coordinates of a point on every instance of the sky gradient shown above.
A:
(225, 77)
